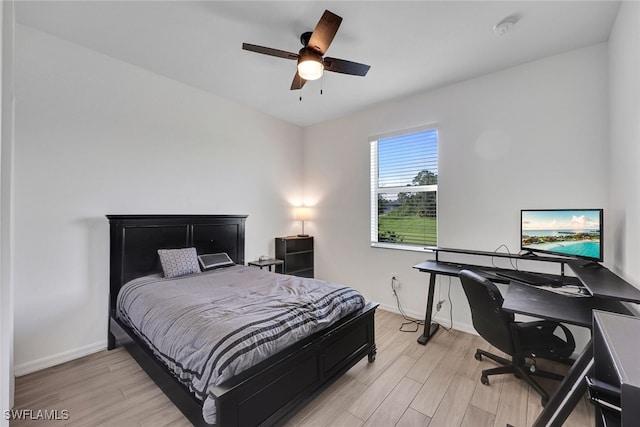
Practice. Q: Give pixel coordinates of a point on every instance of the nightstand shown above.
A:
(269, 262)
(297, 253)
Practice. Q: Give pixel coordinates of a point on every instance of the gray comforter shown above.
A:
(211, 326)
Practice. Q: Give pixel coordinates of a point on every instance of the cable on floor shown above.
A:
(450, 308)
(408, 320)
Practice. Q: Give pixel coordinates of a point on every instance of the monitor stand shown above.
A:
(590, 264)
(528, 254)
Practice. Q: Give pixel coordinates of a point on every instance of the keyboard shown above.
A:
(525, 277)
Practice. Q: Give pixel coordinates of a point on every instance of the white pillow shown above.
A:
(179, 262)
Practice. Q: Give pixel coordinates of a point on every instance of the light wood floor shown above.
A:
(408, 385)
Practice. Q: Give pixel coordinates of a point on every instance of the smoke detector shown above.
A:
(504, 26)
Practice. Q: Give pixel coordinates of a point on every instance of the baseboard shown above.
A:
(441, 318)
(56, 359)
(445, 321)
(409, 313)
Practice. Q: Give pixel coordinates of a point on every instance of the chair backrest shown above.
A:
(492, 323)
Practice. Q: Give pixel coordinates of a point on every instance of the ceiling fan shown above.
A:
(311, 60)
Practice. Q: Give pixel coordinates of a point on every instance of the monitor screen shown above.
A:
(567, 232)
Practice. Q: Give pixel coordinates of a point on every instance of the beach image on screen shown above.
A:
(568, 232)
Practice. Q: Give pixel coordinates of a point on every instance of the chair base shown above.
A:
(518, 370)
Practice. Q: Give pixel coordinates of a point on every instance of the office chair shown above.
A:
(520, 340)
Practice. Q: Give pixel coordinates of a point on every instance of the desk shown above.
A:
(435, 268)
(607, 289)
(598, 280)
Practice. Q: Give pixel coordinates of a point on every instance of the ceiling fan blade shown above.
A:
(345, 67)
(297, 82)
(269, 51)
(324, 32)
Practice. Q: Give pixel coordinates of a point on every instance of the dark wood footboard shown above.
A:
(273, 391)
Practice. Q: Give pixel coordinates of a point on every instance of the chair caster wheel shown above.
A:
(371, 357)
(478, 356)
(484, 380)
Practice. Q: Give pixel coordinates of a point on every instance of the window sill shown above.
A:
(400, 247)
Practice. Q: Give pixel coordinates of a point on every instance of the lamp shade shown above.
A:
(302, 213)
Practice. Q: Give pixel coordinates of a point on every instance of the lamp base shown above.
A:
(303, 235)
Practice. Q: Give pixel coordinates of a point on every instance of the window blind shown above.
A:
(404, 185)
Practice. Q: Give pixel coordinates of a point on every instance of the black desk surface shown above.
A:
(450, 268)
(602, 282)
(495, 254)
(598, 280)
(440, 267)
(609, 291)
(526, 299)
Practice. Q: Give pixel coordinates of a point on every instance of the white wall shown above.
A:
(7, 26)
(534, 136)
(96, 136)
(624, 137)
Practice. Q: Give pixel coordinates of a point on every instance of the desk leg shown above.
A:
(571, 390)
(429, 328)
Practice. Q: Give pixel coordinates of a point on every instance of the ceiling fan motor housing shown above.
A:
(305, 37)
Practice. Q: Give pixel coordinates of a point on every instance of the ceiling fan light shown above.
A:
(310, 66)
(310, 69)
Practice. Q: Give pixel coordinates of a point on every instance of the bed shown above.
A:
(267, 393)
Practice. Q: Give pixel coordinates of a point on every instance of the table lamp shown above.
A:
(302, 213)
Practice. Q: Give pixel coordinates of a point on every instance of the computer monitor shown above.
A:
(575, 233)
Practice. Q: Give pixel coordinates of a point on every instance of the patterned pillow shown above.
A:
(179, 262)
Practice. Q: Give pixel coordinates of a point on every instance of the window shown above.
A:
(404, 188)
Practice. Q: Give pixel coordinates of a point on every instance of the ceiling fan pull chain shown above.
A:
(321, 85)
(301, 89)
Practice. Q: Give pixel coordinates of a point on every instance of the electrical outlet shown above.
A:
(395, 284)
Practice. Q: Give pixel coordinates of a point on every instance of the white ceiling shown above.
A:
(411, 46)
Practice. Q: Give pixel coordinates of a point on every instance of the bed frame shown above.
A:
(268, 393)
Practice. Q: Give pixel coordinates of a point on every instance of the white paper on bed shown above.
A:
(211, 326)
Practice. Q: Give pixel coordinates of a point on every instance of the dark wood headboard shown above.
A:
(135, 240)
